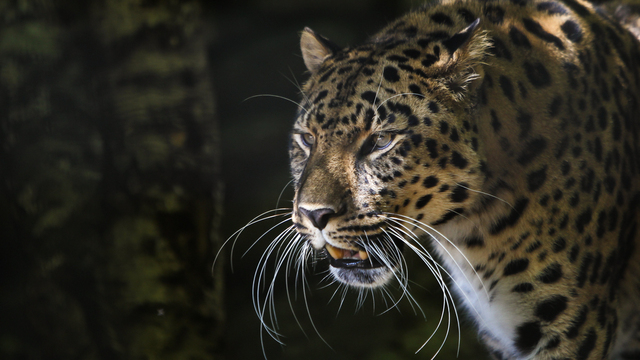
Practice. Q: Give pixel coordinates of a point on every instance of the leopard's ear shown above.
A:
(315, 49)
(461, 39)
(467, 50)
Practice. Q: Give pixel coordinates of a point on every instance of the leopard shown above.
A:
(497, 140)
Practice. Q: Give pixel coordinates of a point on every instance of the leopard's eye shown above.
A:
(307, 139)
(376, 142)
(382, 141)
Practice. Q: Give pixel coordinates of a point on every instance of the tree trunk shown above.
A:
(110, 187)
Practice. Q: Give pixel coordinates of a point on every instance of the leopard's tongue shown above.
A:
(338, 253)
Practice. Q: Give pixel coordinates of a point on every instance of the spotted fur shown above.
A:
(503, 133)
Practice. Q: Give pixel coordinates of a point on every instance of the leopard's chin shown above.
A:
(357, 277)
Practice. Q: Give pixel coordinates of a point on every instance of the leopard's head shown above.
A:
(384, 147)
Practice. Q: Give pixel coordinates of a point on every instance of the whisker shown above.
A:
(403, 265)
(260, 218)
(345, 289)
(261, 310)
(295, 262)
(486, 194)
(424, 255)
(378, 91)
(265, 233)
(284, 258)
(282, 192)
(295, 83)
(423, 252)
(427, 229)
(447, 296)
(446, 304)
(330, 280)
(394, 96)
(399, 274)
(278, 97)
(461, 215)
(313, 324)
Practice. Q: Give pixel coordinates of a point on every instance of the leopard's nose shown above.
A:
(319, 217)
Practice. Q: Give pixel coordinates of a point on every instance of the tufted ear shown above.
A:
(467, 50)
(315, 49)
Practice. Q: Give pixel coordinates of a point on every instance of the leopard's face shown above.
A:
(378, 160)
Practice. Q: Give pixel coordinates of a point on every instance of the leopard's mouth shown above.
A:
(361, 258)
(349, 259)
(366, 269)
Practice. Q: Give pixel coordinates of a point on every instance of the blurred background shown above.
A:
(136, 136)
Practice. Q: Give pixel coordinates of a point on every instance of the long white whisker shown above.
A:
(400, 273)
(262, 217)
(445, 305)
(284, 257)
(259, 278)
(313, 324)
(447, 297)
(405, 283)
(423, 252)
(424, 255)
(329, 280)
(265, 233)
(344, 289)
(293, 261)
(428, 229)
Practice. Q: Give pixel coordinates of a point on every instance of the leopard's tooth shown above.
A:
(333, 251)
(363, 255)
